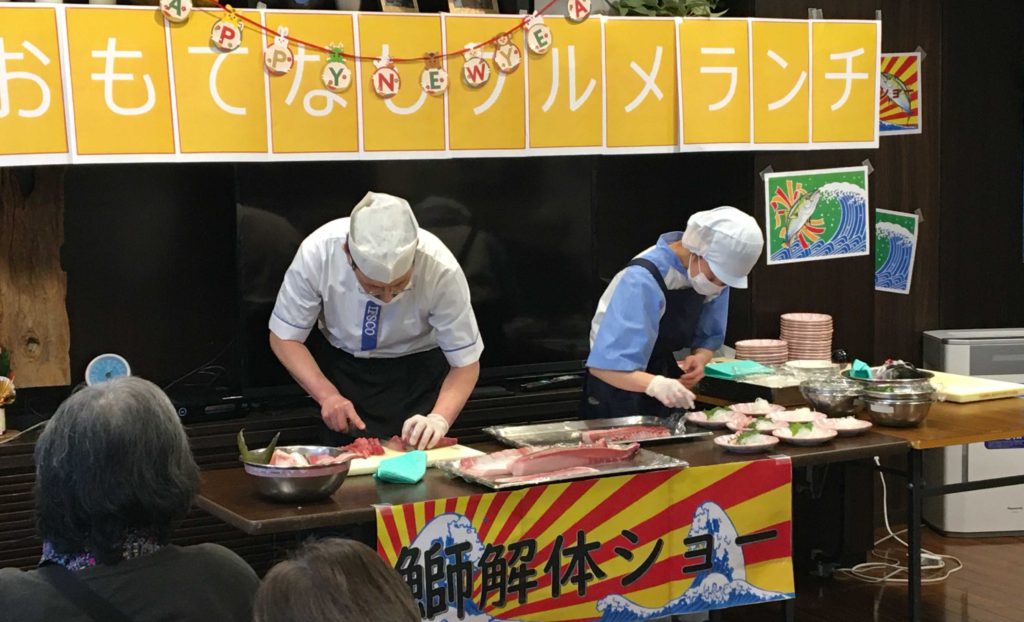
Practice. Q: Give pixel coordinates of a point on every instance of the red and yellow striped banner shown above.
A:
(634, 547)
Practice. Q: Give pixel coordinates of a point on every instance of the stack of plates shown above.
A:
(809, 335)
(764, 351)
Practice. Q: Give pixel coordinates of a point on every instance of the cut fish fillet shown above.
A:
(516, 479)
(559, 458)
(494, 464)
(625, 433)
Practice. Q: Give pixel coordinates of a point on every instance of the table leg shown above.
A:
(715, 615)
(915, 496)
(789, 610)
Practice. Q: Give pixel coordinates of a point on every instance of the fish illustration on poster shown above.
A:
(813, 215)
(895, 247)
(899, 94)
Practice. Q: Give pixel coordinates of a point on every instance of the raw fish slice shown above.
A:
(516, 479)
(625, 433)
(494, 464)
(281, 458)
(560, 458)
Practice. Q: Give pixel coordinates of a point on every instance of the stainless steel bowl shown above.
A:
(897, 413)
(835, 399)
(293, 484)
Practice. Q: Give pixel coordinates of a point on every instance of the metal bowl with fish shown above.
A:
(301, 472)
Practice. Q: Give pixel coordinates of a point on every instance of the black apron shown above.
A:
(384, 391)
(675, 332)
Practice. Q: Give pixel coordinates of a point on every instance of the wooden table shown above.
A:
(947, 425)
(228, 493)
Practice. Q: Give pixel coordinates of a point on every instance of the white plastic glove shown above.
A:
(424, 432)
(670, 392)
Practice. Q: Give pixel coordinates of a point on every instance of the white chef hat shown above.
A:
(729, 240)
(382, 236)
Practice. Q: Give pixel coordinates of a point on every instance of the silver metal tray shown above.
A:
(644, 460)
(570, 431)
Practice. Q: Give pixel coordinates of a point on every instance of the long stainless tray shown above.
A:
(570, 431)
(644, 460)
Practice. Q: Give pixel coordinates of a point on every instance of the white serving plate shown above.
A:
(786, 435)
(701, 419)
(861, 427)
(725, 443)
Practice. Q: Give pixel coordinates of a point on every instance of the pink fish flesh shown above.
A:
(281, 458)
(514, 479)
(625, 433)
(560, 458)
(494, 464)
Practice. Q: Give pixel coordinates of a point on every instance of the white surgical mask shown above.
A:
(700, 283)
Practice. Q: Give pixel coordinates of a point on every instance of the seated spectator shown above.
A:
(334, 580)
(114, 476)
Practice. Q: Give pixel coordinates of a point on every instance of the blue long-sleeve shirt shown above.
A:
(625, 326)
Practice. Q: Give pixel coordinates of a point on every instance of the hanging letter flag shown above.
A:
(386, 80)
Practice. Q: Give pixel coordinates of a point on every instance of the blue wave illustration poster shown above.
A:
(820, 214)
(895, 247)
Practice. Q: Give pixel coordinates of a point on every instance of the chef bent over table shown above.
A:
(394, 305)
(672, 296)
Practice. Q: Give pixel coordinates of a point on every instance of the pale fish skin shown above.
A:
(800, 213)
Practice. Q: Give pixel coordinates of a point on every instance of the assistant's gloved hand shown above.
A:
(424, 432)
(670, 392)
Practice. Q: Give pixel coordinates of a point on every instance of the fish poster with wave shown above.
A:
(899, 94)
(615, 549)
(821, 214)
(895, 247)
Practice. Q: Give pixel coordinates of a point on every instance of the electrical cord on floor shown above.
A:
(891, 568)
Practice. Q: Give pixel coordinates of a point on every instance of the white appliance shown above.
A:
(989, 353)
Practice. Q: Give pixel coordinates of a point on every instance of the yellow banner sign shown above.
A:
(623, 549)
(122, 84)
(31, 94)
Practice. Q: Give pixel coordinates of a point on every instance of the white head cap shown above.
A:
(382, 236)
(729, 240)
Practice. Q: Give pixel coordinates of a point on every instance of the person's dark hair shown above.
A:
(334, 580)
(114, 458)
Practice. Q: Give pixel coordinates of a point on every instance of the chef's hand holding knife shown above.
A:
(424, 432)
(339, 413)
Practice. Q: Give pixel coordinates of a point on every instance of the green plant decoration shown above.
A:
(669, 8)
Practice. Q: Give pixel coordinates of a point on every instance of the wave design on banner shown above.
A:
(895, 270)
(851, 235)
(724, 584)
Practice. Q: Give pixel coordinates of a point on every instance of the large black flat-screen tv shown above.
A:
(521, 229)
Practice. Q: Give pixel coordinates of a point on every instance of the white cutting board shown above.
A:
(962, 389)
(368, 466)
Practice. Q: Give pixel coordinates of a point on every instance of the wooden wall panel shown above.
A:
(33, 286)
(982, 167)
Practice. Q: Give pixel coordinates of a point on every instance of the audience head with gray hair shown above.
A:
(114, 473)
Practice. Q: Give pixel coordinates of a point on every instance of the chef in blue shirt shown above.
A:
(672, 296)
(394, 305)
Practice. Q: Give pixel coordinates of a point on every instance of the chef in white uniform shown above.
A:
(394, 305)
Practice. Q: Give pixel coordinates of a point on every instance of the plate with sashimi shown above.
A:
(522, 466)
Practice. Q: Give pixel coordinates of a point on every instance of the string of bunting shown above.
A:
(278, 59)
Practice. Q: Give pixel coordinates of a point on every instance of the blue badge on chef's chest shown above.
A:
(371, 325)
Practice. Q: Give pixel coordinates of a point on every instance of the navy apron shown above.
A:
(675, 332)
(384, 391)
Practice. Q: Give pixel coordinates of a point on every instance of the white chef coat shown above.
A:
(434, 311)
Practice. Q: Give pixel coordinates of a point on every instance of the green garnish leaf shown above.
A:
(256, 456)
(796, 427)
(746, 434)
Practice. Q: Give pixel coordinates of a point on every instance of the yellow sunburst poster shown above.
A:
(899, 94)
